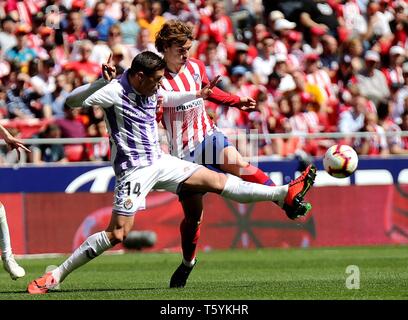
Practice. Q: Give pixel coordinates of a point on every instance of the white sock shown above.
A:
(242, 191)
(89, 249)
(189, 263)
(5, 243)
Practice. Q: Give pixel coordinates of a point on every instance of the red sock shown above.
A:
(253, 174)
(190, 232)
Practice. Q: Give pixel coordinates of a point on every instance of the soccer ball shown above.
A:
(340, 161)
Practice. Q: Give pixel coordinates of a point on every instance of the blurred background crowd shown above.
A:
(312, 66)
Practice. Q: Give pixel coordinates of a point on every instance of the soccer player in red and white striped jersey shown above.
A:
(194, 137)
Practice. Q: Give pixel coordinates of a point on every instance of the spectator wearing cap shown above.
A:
(371, 81)
(264, 63)
(282, 28)
(287, 82)
(21, 54)
(314, 45)
(273, 16)
(7, 34)
(232, 118)
(241, 57)
(240, 84)
(295, 52)
(99, 21)
(393, 72)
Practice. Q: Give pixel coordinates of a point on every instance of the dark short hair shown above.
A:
(148, 62)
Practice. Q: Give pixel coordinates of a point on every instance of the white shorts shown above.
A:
(133, 185)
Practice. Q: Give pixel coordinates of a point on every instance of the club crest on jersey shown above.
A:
(128, 204)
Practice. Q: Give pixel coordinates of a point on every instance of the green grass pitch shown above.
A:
(265, 274)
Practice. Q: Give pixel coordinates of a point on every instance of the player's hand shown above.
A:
(108, 69)
(247, 104)
(14, 143)
(206, 91)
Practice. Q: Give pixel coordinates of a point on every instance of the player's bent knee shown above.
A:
(218, 183)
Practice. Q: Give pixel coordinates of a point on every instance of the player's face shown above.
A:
(149, 84)
(177, 54)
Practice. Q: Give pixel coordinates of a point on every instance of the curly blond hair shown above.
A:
(173, 31)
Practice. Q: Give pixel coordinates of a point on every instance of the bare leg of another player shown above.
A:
(9, 263)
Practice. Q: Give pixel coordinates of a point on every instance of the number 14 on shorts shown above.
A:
(132, 190)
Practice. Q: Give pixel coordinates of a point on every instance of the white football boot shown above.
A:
(12, 267)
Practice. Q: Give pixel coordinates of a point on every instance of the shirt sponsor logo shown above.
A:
(190, 105)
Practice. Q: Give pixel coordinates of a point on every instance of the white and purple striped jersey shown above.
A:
(130, 118)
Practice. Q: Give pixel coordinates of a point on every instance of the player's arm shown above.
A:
(12, 143)
(173, 99)
(79, 95)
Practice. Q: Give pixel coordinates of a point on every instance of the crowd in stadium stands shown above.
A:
(312, 66)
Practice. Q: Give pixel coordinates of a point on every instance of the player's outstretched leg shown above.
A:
(9, 263)
(92, 247)
(233, 188)
(235, 164)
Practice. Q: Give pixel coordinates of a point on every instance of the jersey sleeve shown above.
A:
(104, 97)
(172, 99)
(78, 96)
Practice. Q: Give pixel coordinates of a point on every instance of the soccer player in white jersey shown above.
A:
(9, 263)
(194, 137)
(129, 104)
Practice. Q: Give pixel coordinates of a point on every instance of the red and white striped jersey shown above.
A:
(188, 125)
(394, 75)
